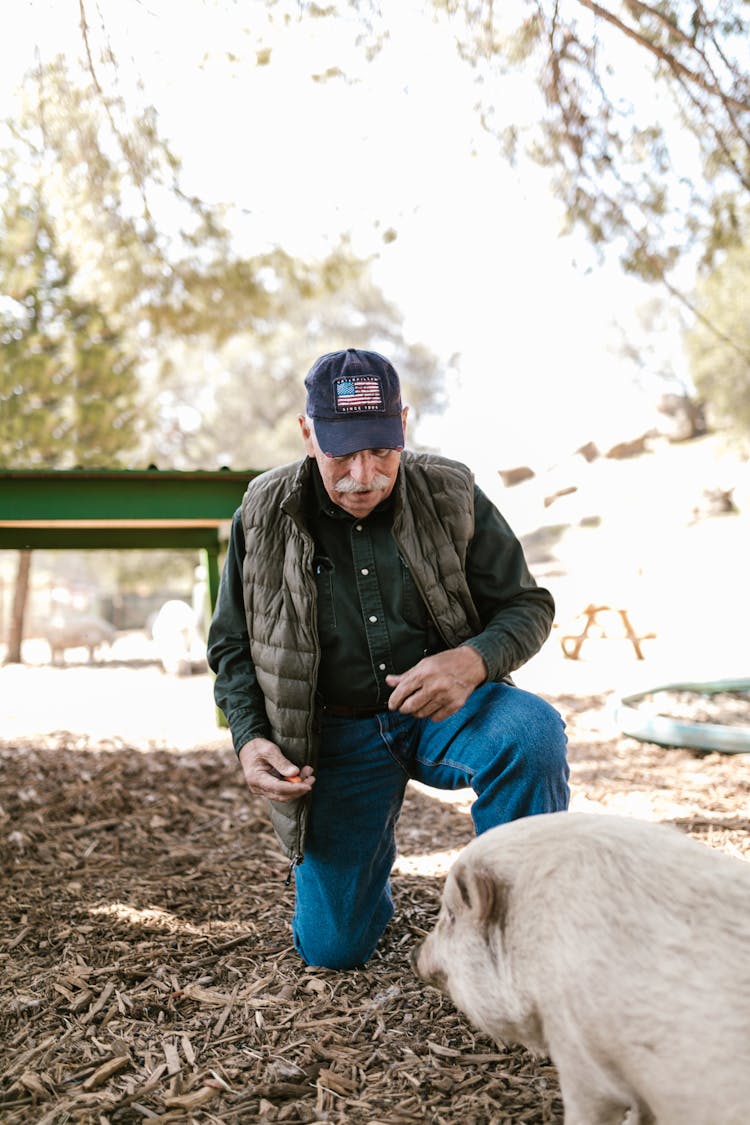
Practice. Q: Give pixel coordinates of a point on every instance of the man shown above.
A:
(372, 606)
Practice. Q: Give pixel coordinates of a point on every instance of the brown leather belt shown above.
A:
(352, 712)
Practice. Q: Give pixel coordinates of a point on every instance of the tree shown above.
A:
(647, 115)
(118, 289)
(18, 612)
(160, 264)
(235, 402)
(641, 111)
(253, 417)
(642, 115)
(67, 394)
(720, 361)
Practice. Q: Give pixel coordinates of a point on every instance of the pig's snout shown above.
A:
(425, 968)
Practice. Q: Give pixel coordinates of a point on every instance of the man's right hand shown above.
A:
(267, 772)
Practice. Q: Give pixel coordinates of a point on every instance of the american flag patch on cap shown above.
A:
(357, 394)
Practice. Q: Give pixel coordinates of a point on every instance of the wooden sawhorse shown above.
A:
(571, 643)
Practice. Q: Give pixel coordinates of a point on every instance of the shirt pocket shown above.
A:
(416, 615)
(324, 572)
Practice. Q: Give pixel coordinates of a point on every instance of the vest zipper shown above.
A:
(296, 860)
(308, 555)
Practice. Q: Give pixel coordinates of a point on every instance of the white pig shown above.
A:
(175, 633)
(619, 948)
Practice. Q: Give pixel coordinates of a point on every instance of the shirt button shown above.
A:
(364, 570)
(373, 619)
(381, 667)
(358, 527)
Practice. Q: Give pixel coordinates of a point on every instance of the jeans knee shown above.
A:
(543, 760)
(532, 752)
(528, 727)
(550, 735)
(335, 950)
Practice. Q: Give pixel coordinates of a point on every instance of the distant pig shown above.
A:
(619, 948)
(78, 632)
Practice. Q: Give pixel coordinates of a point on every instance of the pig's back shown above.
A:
(639, 937)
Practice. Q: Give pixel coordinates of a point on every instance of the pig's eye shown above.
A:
(449, 917)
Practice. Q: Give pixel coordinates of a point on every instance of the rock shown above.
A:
(509, 477)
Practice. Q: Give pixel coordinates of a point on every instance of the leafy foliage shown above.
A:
(260, 393)
(642, 111)
(646, 120)
(720, 360)
(126, 310)
(67, 392)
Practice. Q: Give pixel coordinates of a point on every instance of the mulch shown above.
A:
(146, 960)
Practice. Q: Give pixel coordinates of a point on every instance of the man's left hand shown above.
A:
(439, 685)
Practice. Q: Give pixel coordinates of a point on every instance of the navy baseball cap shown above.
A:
(354, 399)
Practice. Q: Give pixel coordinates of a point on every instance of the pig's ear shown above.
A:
(484, 895)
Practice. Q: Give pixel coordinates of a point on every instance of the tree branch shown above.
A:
(124, 142)
(729, 103)
(716, 133)
(664, 56)
(704, 320)
(661, 276)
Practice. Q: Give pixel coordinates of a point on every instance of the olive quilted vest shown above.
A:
(433, 524)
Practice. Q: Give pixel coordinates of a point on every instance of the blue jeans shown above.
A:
(507, 744)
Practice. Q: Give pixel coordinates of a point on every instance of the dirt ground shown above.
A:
(145, 954)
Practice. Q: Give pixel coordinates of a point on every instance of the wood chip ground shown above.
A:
(145, 956)
(724, 708)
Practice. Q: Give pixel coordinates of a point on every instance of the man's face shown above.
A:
(359, 481)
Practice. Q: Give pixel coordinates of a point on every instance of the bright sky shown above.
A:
(477, 265)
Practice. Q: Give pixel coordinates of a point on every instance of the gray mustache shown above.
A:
(379, 483)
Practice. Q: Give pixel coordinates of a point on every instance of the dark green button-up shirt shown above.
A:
(372, 620)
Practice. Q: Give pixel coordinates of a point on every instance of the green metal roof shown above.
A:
(91, 508)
